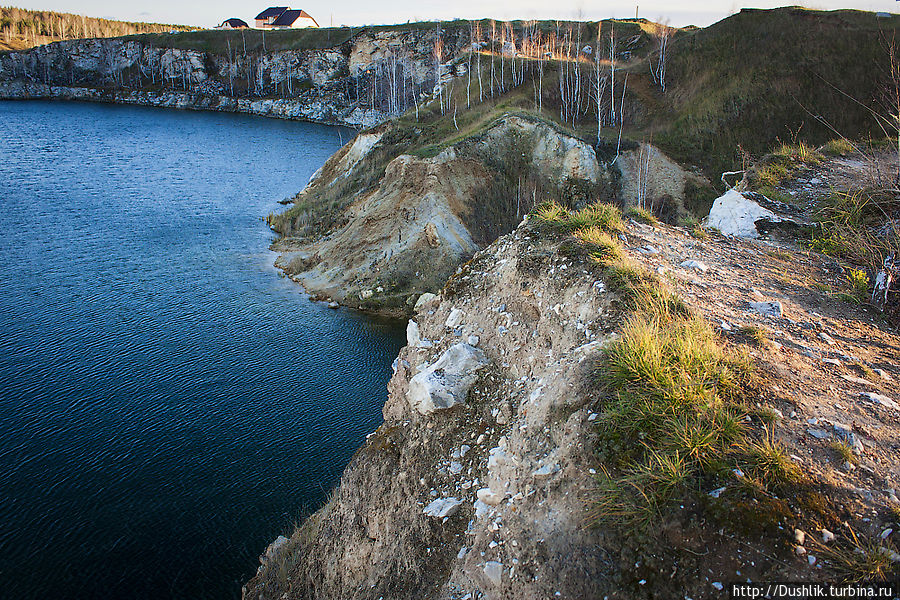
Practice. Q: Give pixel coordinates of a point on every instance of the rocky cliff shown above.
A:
(408, 231)
(361, 80)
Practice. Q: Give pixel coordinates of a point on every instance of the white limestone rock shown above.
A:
(412, 334)
(493, 570)
(488, 497)
(734, 214)
(455, 318)
(423, 300)
(443, 507)
(695, 264)
(773, 308)
(445, 383)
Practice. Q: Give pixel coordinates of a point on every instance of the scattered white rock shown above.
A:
(827, 536)
(811, 559)
(734, 214)
(545, 471)
(883, 374)
(473, 340)
(333, 305)
(827, 338)
(879, 399)
(463, 449)
(424, 299)
(446, 382)
(886, 533)
(366, 294)
(443, 507)
(768, 308)
(820, 434)
(799, 536)
(488, 497)
(412, 333)
(455, 318)
(717, 492)
(695, 264)
(718, 585)
(800, 550)
(455, 468)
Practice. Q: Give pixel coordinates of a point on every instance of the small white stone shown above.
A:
(493, 570)
(455, 318)
(695, 264)
(827, 536)
(489, 497)
(799, 536)
(442, 507)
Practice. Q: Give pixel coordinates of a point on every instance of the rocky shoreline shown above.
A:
(277, 108)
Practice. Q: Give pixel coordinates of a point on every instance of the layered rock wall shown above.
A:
(364, 81)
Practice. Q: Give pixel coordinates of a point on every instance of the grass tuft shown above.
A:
(844, 451)
(602, 247)
(856, 560)
(672, 412)
(838, 147)
(604, 217)
(641, 215)
(769, 463)
(757, 334)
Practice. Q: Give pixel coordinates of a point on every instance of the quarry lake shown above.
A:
(168, 403)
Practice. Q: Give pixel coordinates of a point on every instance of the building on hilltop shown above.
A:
(233, 24)
(284, 17)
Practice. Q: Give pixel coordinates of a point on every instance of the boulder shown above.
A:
(750, 214)
(412, 334)
(446, 382)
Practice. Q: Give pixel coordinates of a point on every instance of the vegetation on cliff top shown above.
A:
(22, 28)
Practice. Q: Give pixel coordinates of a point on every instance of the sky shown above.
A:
(207, 13)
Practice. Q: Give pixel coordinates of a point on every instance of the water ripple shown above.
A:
(168, 404)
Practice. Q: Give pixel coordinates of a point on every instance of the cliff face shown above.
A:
(359, 82)
(409, 230)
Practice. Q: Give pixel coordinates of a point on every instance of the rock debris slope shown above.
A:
(480, 481)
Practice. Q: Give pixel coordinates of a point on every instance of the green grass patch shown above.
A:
(641, 215)
(859, 283)
(604, 217)
(673, 413)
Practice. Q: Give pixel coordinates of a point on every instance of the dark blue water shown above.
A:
(168, 403)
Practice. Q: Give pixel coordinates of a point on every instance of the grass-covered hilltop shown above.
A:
(650, 276)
